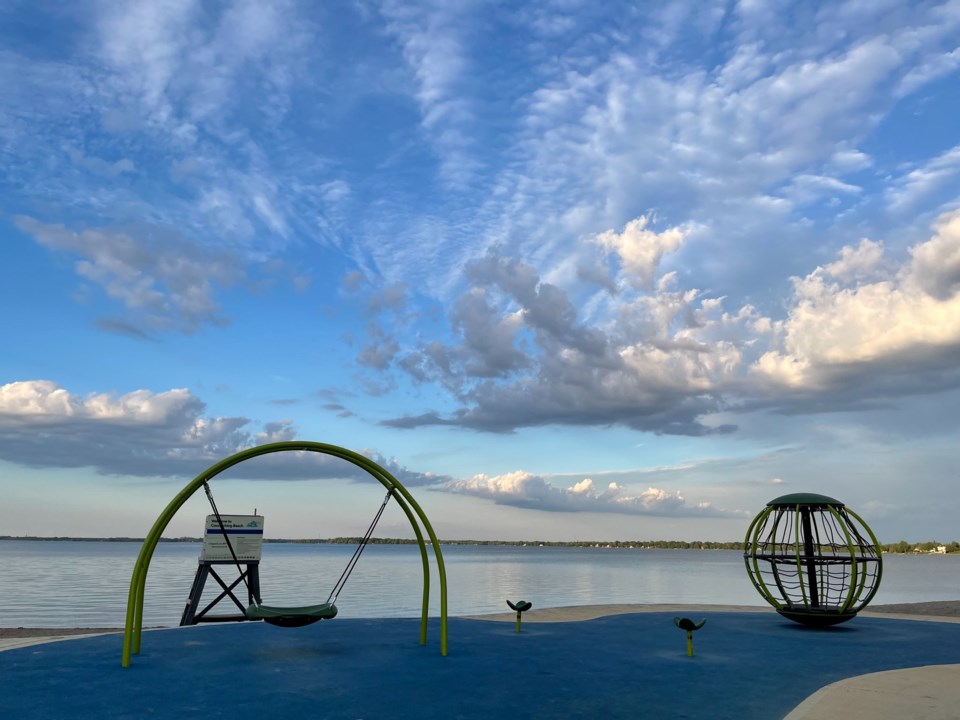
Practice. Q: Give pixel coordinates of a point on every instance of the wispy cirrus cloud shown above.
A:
(590, 136)
(936, 177)
(433, 39)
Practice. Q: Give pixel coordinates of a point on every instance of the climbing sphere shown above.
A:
(815, 560)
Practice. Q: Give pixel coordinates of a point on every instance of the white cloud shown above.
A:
(585, 485)
(834, 333)
(164, 282)
(335, 191)
(921, 183)
(526, 490)
(99, 166)
(525, 358)
(667, 359)
(935, 264)
(183, 71)
(850, 160)
(432, 42)
(144, 433)
(933, 69)
(148, 41)
(612, 136)
(641, 249)
(857, 263)
(807, 188)
(140, 432)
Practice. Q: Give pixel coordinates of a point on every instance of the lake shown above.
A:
(85, 583)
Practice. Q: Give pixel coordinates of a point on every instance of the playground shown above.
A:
(745, 665)
(679, 662)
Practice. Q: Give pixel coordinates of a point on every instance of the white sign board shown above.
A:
(246, 538)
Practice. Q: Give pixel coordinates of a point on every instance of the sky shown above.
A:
(570, 270)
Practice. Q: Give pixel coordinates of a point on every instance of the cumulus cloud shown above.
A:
(526, 490)
(137, 433)
(672, 360)
(660, 362)
(935, 264)
(148, 434)
(641, 249)
(839, 334)
(857, 263)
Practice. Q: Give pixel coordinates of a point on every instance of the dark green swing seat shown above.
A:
(292, 616)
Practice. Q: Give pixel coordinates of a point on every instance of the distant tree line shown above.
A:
(903, 547)
(623, 544)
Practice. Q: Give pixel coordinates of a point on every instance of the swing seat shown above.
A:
(292, 616)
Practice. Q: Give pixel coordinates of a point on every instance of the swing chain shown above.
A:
(352, 563)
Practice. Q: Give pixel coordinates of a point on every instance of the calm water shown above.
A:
(85, 584)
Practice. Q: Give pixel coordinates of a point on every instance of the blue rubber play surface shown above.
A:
(747, 665)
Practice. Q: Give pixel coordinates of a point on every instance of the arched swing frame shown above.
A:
(133, 629)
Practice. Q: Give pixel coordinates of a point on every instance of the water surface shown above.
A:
(85, 583)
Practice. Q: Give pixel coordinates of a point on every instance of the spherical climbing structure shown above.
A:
(815, 560)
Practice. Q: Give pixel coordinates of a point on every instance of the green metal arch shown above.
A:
(133, 628)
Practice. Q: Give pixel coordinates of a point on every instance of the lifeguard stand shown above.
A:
(246, 539)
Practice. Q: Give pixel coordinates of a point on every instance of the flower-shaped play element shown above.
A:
(520, 606)
(689, 626)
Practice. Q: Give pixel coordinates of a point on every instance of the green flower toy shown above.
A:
(688, 625)
(521, 607)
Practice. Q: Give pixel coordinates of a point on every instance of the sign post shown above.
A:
(246, 540)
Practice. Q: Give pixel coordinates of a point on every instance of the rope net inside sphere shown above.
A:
(813, 559)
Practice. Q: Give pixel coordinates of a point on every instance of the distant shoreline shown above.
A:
(891, 549)
(621, 544)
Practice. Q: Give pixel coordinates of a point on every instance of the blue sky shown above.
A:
(572, 270)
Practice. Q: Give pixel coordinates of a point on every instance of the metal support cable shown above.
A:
(352, 563)
(226, 537)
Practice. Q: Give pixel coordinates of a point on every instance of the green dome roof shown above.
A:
(804, 499)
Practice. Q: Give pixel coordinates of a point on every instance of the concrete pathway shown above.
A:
(927, 693)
